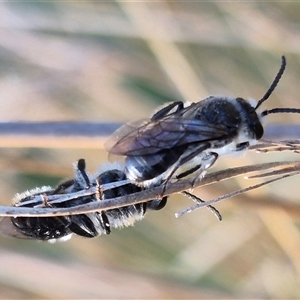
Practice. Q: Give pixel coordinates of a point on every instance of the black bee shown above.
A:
(86, 225)
(127, 215)
(39, 228)
(53, 228)
(187, 139)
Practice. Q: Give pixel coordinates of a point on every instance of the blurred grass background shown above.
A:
(115, 62)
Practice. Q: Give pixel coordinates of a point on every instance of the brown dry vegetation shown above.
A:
(115, 62)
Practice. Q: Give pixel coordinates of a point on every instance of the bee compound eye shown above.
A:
(259, 131)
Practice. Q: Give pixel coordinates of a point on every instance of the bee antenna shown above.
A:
(280, 110)
(274, 83)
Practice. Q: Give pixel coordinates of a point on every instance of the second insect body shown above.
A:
(86, 225)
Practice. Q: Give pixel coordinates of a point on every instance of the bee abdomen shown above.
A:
(43, 228)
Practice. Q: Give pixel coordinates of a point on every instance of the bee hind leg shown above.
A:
(164, 111)
(198, 200)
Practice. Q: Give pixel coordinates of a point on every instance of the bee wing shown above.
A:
(125, 135)
(153, 136)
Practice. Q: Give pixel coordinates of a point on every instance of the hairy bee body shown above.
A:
(41, 228)
(128, 215)
(186, 139)
(87, 225)
(55, 227)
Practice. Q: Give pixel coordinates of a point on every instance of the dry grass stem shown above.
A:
(291, 168)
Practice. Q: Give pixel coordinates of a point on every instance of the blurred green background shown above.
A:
(117, 61)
